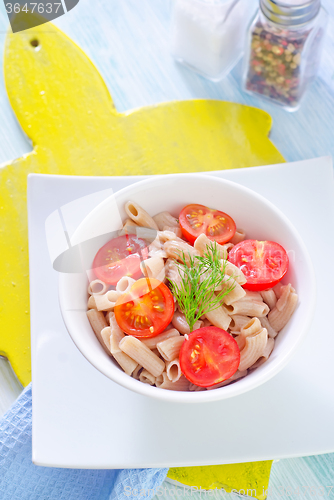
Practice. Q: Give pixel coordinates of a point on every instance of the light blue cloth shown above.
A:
(20, 479)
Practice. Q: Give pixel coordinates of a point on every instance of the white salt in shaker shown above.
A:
(209, 35)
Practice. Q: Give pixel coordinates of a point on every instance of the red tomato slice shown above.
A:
(120, 257)
(146, 309)
(209, 356)
(198, 219)
(264, 263)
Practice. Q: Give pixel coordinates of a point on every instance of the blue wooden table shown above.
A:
(128, 41)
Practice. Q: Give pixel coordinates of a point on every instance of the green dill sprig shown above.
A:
(199, 279)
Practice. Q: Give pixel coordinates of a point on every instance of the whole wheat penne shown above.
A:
(139, 215)
(279, 318)
(114, 339)
(239, 235)
(285, 291)
(266, 353)
(246, 307)
(176, 230)
(154, 267)
(180, 323)
(105, 334)
(219, 317)
(165, 219)
(269, 297)
(254, 295)
(147, 377)
(170, 348)
(173, 370)
(231, 270)
(253, 326)
(125, 362)
(238, 374)
(136, 372)
(129, 227)
(152, 342)
(124, 284)
(253, 350)
(265, 323)
(107, 301)
(97, 287)
(142, 354)
(203, 243)
(159, 380)
(237, 322)
(236, 292)
(180, 251)
(91, 303)
(180, 385)
(98, 322)
(196, 388)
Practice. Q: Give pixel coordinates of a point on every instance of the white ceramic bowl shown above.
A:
(260, 219)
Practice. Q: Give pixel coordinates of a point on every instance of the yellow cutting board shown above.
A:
(65, 108)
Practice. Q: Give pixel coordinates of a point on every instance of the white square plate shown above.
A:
(82, 419)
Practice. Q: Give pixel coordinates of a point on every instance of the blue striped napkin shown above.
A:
(20, 479)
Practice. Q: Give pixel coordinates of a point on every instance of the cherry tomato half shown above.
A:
(264, 263)
(209, 356)
(146, 309)
(198, 219)
(120, 257)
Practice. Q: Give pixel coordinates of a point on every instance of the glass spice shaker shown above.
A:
(284, 44)
(209, 36)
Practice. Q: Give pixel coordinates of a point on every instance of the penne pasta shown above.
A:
(235, 294)
(97, 287)
(176, 230)
(219, 317)
(246, 307)
(107, 301)
(91, 303)
(139, 215)
(152, 342)
(98, 323)
(238, 374)
(136, 372)
(202, 243)
(173, 370)
(154, 267)
(165, 219)
(239, 235)
(125, 362)
(231, 270)
(142, 355)
(237, 322)
(147, 377)
(105, 334)
(180, 385)
(180, 323)
(285, 306)
(253, 350)
(169, 349)
(180, 250)
(266, 353)
(269, 297)
(265, 323)
(129, 227)
(124, 284)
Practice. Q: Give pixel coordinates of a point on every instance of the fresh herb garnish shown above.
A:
(196, 294)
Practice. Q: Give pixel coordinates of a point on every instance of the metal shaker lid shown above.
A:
(290, 12)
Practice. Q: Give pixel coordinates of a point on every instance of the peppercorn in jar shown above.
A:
(284, 49)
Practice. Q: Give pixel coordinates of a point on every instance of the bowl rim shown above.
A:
(234, 389)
